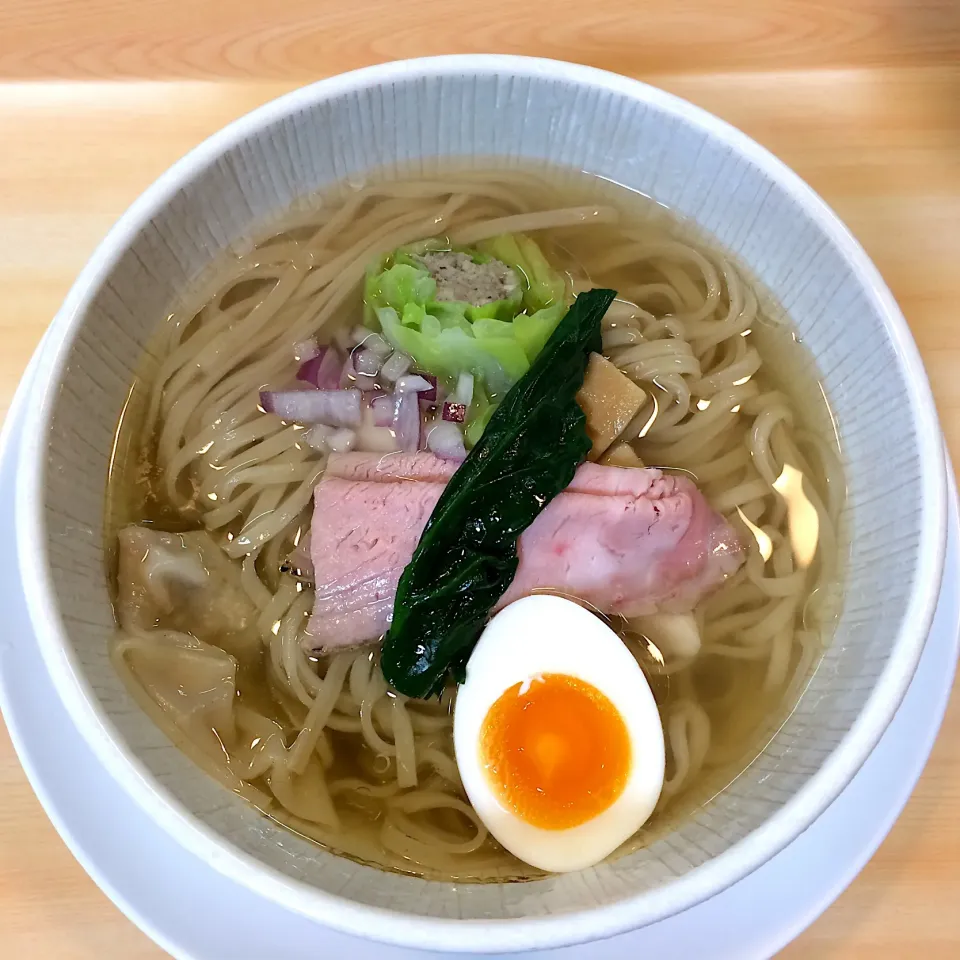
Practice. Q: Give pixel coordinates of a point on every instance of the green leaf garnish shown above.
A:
(467, 556)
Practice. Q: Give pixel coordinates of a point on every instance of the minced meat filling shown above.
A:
(460, 278)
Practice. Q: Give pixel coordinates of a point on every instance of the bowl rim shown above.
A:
(393, 926)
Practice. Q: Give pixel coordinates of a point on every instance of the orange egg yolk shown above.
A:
(555, 750)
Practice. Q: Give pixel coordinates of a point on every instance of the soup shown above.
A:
(315, 387)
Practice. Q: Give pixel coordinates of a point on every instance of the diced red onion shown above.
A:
(454, 412)
(309, 369)
(413, 383)
(446, 441)
(396, 366)
(383, 409)
(424, 385)
(378, 346)
(306, 350)
(323, 370)
(362, 336)
(338, 408)
(464, 392)
(406, 421)
(351, 377)
(318, 435)
(366, 362)
(342, 441)
(429, 395)
(328, 374)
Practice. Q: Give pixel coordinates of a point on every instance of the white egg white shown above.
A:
(548, 634)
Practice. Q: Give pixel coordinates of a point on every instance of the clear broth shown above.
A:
(742, 710)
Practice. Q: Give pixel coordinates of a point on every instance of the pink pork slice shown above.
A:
(623, 540)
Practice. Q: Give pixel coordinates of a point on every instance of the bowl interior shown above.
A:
(406, 117)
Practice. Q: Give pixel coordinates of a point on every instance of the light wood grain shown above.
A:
(862, 98)
(305, 38)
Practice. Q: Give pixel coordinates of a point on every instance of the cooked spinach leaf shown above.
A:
(467, 555)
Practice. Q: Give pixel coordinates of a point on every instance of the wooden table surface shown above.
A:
(861, 97)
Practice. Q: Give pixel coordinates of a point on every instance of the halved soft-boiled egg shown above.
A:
(557, 735)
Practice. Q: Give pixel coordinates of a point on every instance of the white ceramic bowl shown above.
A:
(408, 112)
